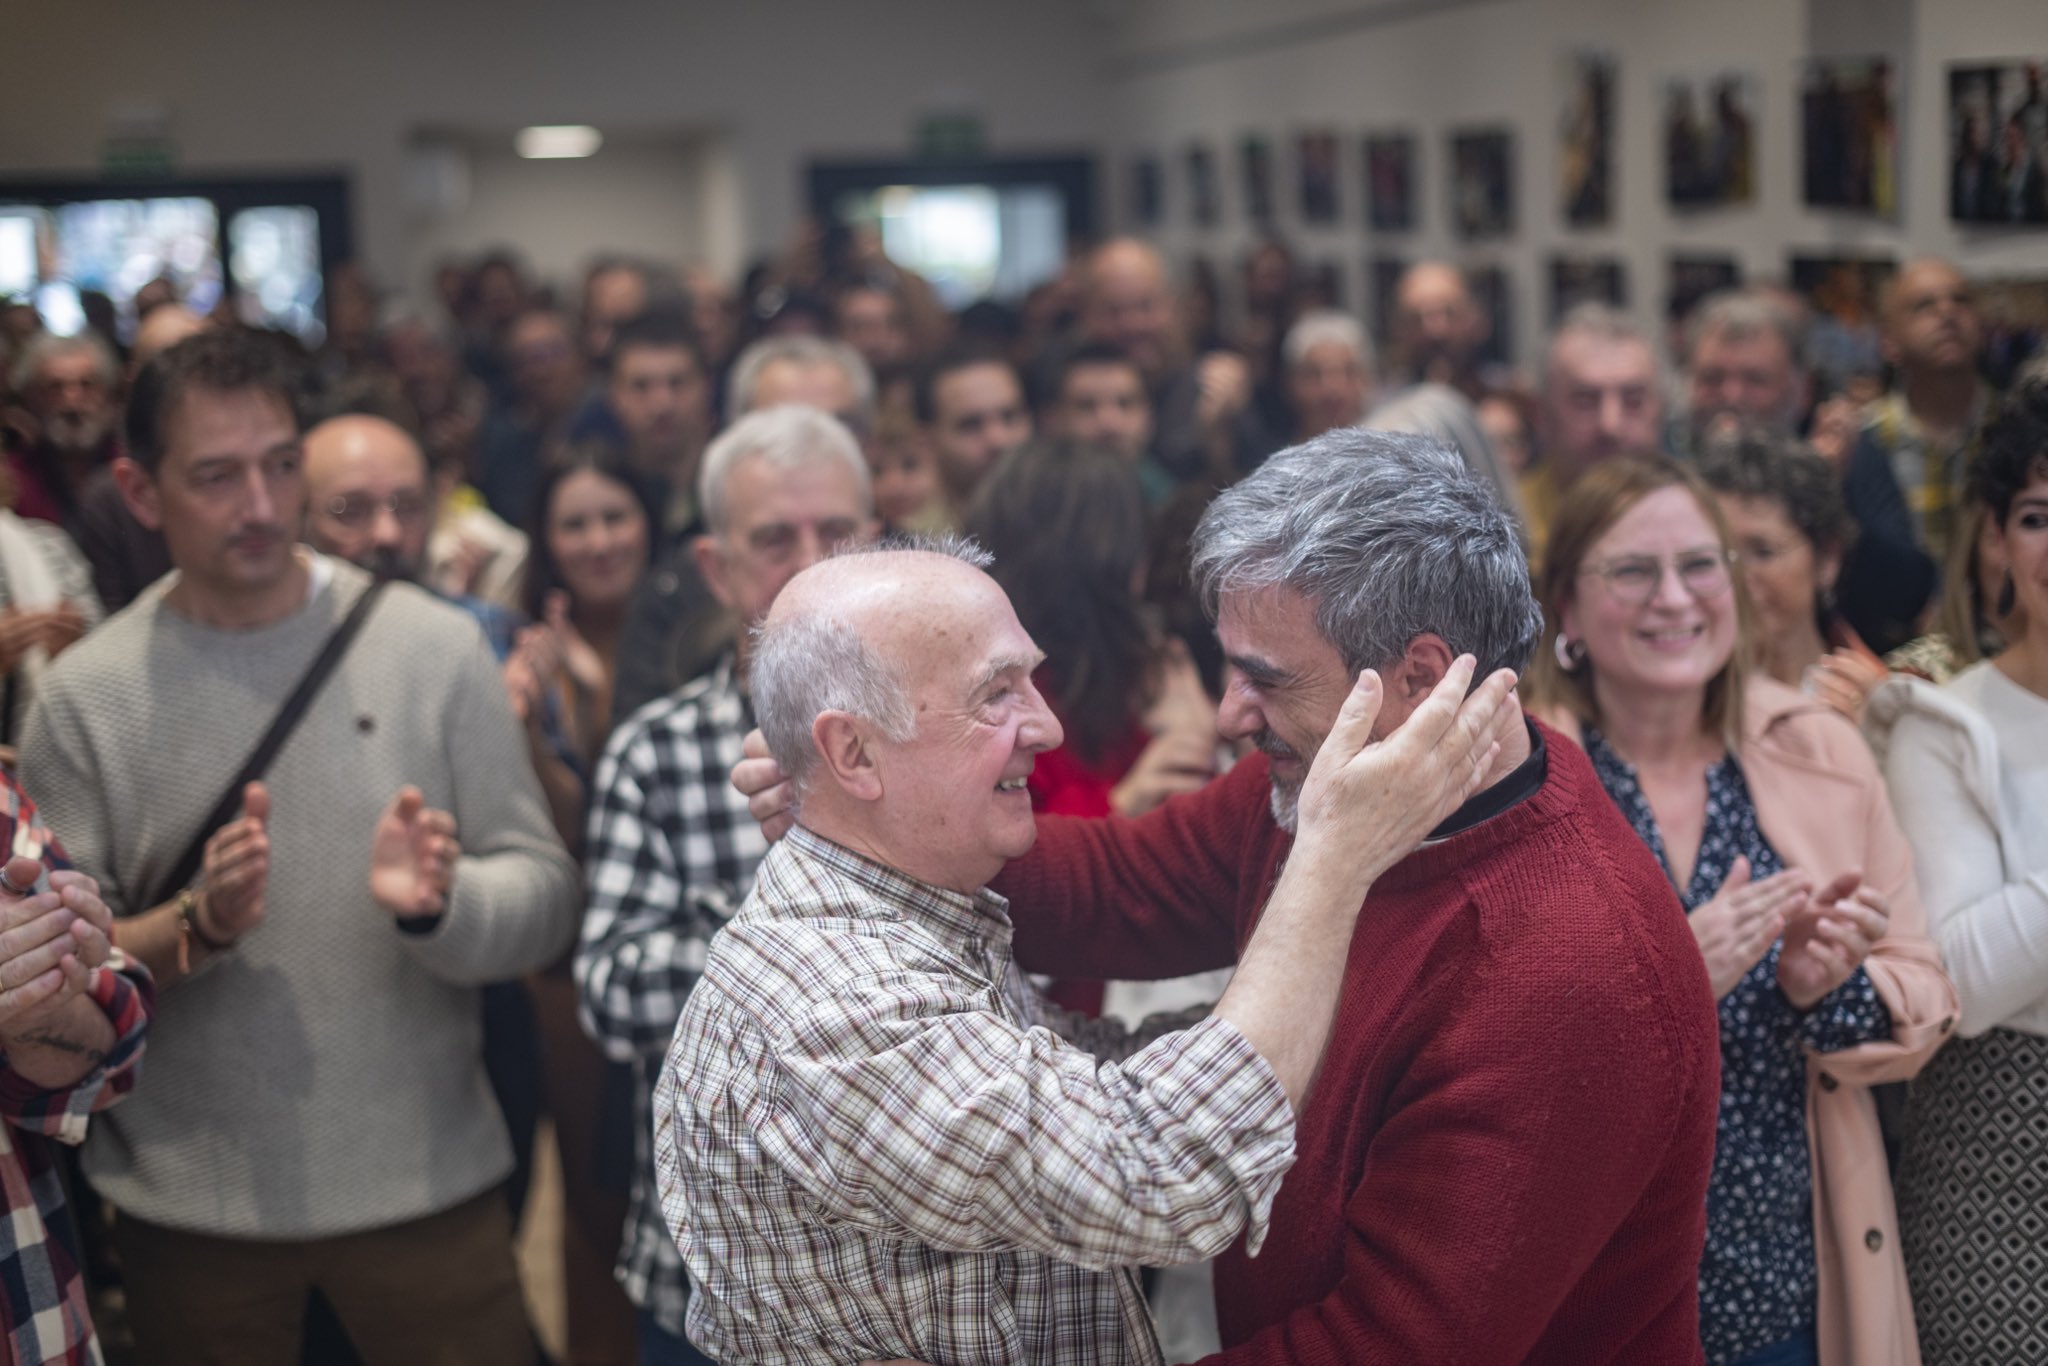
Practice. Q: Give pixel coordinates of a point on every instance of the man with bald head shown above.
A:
(873, 1139)
(1205, 422)
(1440, 329)
(1905, 478)
(368, 498)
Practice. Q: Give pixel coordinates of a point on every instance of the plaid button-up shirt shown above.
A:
(43, 1313)
(671, 851)
(871, 1142)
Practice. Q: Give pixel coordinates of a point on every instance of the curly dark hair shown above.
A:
(2015, 449)
(1752, 462)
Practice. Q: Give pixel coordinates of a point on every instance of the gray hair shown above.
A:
(1602, 322)
(45, 347)
(1739, 314)
(813, 661)
(798, 350)
(1320, 326)
(1447, 417)
(787, 436)
(1388, 536)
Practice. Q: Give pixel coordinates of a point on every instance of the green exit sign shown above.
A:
(949, 137)
(138, 158)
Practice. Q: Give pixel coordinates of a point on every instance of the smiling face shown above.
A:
(1670, 637)
(1285, 687)
(1782, 570)
(597, 534)
(953, 799)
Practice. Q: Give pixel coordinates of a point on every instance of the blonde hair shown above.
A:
(1600, 498)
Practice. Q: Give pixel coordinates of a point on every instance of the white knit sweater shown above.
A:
(326, 1075)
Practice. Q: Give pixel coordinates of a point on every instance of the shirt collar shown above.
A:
(975, 916)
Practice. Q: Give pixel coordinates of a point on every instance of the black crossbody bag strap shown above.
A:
(281, 727)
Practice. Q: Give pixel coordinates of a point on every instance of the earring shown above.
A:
(1570, 653)
(2008, 596)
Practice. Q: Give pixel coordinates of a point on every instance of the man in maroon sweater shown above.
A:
(1505, 1158)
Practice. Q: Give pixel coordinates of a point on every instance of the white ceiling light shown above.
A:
(558, 140)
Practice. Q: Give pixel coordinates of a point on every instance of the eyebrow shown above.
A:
(1005, 664)
(1260, 670)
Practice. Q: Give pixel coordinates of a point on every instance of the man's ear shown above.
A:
(1420, 669)
(843, 750)
(138, 491)
(710, 559)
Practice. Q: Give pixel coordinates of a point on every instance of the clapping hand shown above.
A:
(49, 941)
(1828, 938)
(1738, 926)
(235, 871)
(412, 857)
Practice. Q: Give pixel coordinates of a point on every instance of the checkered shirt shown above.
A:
(42, 1290)
(671, 852)
(871, 1141)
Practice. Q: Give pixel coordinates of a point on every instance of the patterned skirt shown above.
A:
(1973, 1201)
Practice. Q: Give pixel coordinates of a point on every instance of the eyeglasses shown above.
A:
(1635, 579)
(356, 510)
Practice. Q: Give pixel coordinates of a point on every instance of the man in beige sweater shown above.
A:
(316, 1113)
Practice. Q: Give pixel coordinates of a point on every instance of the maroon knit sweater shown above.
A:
(1505, 1156)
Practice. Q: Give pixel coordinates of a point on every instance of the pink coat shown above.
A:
(1821, 803)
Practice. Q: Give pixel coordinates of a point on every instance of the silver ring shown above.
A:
(8, 883)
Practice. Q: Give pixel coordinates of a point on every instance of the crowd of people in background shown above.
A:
(368, 711)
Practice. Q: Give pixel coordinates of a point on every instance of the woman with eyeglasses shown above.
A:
(1791, 529)
(1772, 822)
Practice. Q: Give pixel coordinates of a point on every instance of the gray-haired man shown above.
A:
(872, 1139)
(1507, 1157)
(671, 849)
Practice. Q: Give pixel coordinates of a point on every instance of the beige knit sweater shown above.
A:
(326, 1075)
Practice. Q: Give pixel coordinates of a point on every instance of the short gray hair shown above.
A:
(1739, 314)
(1388, 536)
(798, 350)
(810, 662)
(787, 436)
(1603, 322)
(1319, 326)
(45, 347)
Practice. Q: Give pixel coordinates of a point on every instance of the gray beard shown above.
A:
(74, 435)
(1286, 805)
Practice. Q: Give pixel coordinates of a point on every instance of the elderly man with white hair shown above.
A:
(1506, 1157)
(873, 1138)
(1329, 367)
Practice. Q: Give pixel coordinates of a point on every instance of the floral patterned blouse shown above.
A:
(1757, 1278)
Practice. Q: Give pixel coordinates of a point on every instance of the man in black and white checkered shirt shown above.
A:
(672, 849)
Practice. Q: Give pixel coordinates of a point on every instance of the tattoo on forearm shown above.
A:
(64, 1045)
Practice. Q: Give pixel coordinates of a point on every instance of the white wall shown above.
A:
(292, 87)
(1193, 69)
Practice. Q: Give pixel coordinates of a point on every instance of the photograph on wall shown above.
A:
(1842, 344)
(1315, 155)
(1694, 277)
(1585, 166)
(1482, 182)
(1255, 158)
(1382, 279)
(1849, 135)
(1147, 192)
(1709, 127)
(2015, 314)
(1576, 280)
(1321, 286)
(1205, 202)
(1390, 181)
(1495, 293)
(1998, 143)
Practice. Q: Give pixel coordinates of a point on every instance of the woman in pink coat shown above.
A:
(1771, 818)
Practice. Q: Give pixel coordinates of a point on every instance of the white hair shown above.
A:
(1320, 326)
(48, 346)
(803, 351)
(787, 436)
(812, 660)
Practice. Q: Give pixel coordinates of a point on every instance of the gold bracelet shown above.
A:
(188, 930)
